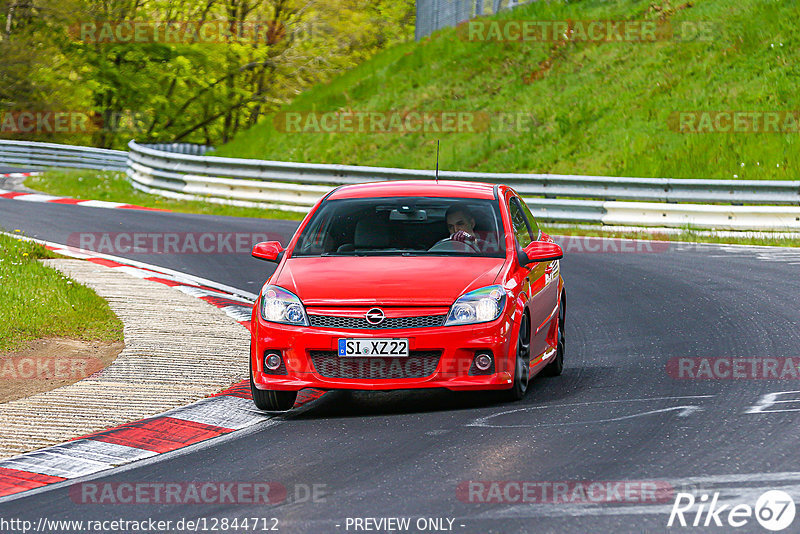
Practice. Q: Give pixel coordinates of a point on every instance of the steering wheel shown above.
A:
(451, 245)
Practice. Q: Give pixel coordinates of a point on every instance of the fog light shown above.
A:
(483, 362)
(272, 361)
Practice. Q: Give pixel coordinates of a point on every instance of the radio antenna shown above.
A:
(437, 161)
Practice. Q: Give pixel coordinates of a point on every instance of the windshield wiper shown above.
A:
(325, 254)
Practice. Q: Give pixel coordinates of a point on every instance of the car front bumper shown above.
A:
(458, 345)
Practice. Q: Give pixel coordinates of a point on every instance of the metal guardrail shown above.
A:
(294, 186)
(181, 148)
(43, 155)
(184, 171)
(297, 186)
(176, 171)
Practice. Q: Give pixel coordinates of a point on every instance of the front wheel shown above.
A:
(522, 364)
(271, 400)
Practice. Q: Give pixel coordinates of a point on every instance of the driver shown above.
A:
(461, 225)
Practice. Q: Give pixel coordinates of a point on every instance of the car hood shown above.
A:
(385, 280)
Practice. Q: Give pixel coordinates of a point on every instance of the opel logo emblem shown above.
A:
(375, 316)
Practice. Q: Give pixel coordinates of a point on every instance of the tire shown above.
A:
(271, 400)
(556, 367)
(522, 362)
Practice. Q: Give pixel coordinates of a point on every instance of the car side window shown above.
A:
(536, 232)
(521, 228)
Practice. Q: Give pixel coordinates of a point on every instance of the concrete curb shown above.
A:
(18, 174)
(15, 181)
(167, 333)
(41, 197)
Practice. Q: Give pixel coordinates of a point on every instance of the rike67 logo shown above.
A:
(774, 510)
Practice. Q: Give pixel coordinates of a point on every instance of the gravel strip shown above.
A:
(178, 349)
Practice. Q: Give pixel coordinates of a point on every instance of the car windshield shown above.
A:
(404, 226)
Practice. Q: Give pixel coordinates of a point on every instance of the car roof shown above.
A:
(423, 188)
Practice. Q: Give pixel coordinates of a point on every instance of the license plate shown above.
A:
(366, 347)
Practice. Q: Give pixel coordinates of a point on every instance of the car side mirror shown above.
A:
(540, 251)
(268, 250)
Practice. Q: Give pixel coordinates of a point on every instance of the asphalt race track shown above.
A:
(620, 413)
(5, 169)
(67, 224)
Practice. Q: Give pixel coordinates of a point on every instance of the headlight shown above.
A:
(479, 306)
(281, 306)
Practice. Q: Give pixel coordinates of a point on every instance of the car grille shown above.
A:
(418, 364)
(360, 323)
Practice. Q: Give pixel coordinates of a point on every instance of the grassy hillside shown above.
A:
(587, 108)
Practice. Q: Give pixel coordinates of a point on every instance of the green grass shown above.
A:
(600, 109)
(114, 187)
(37, 301)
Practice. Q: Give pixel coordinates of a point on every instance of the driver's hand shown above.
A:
(462, 236)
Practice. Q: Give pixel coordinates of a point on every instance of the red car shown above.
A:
(414, 284)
